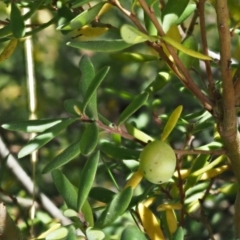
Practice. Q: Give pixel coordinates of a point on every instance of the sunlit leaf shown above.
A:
(132, 35)
(182, 48)
(43, 138)
(83, 18)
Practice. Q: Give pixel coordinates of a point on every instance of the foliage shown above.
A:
(158, 80)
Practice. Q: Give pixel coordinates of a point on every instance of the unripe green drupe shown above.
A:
(157, 162)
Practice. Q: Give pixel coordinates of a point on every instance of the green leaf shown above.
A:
(191, 43)
(92, 88)
(101, 194)
(132, 35)
(133, 233)
(115, 208)
(182, 48)
(45, 137)
(79, 3)
(101, 45)
(171, 123)
(161, 80)
(171, 12)
(186, 13)
(94, 234)
(133, 107)
(83, 18)
(58, 234)
(64, 157)
(65, 188)
(32, 125)
(89, 139)
(35, 6)
(179, 234)
(17, 21)
(87, 75)
(138, 134)
(134, 57)
(73, 107)
(119, 152)
(87, 178)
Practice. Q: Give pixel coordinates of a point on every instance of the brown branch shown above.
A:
(236, 82)
(205, 47)
(185, 78)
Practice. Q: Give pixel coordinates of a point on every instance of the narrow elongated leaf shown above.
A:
(179, 234)
(89, 139)
(64, 157)
(45, 137)
(135, 179)
(186, 13)
(73, 107)
(65, 188)
(172, 11)
(171, 123)
(133, 233)
(79, 3)
(8, 50)
(32, 125)
(191, 43)
(87, 178)
(133, 107)
(138, 134)
(87, 75)
(160, 81)
(92, 88)
(115, 208)
(101, 194)
(35, 6)
(132, 35)
(101, 45)
(119, 152)
(17, 21)
(83, 18)
(182, 48)
(150, 223)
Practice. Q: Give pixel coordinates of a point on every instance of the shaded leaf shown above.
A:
(8, 50)
(115, 208)
(41, 139)
(101, 194)
(64, 157)
(133, 233)
(17, 21)
(87, 178)
(186, 13)
(89, 139)
(179, 234)
(119, 152)
(65, 188)
(134, 57)
(92, 88)
(133, 107)
(101, 45)
(87, 75)
(73, 107)
(160, 81)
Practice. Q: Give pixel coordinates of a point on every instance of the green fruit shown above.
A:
(157, 162)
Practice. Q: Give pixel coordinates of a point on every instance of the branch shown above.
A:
(185, 78)
(22, 177)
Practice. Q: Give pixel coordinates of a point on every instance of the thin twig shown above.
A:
(200, 5)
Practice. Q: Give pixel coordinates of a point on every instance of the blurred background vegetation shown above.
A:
(57, 75)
